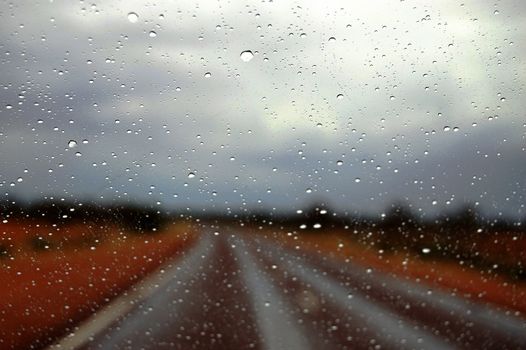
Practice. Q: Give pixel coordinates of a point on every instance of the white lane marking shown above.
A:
(476, 313)
(473, 312)
(102, 319)
(491, 318)
(390, 328)
(271, 310)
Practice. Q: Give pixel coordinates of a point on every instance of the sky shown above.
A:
(265, 104)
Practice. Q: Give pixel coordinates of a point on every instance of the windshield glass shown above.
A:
(262, 174)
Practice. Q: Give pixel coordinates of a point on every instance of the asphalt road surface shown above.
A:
(236, 291)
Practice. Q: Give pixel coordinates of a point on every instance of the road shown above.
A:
(238, 291)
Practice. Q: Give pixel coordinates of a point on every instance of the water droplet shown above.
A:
(308, 190)
(339, 162)
(133, 17)
(339, 96)
(332, 39)
(8, 106)
(19, 179)
(191, 175)
(447, 128)
(72, 143)
(392, 98)
(208, 75)
(426, 250)
(357, 180)
(246, 55)
(152, 34)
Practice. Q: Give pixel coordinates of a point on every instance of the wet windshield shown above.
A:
(262, 174)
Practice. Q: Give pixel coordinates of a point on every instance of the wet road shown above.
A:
(234, 291)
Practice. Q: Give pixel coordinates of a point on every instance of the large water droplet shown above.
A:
(191, 175)
(246, 55)
(72, 143)
(133, 17)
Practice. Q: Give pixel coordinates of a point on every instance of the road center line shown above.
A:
(277, 326)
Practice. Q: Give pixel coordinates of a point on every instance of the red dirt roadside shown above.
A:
(44, 293)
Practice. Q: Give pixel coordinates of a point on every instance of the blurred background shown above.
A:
(387, 132)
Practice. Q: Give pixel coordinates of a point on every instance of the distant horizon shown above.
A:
(271, 210)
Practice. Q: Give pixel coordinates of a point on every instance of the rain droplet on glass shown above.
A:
(246, 55)
(133, 17)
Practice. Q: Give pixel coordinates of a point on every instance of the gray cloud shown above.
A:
(431, 111)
